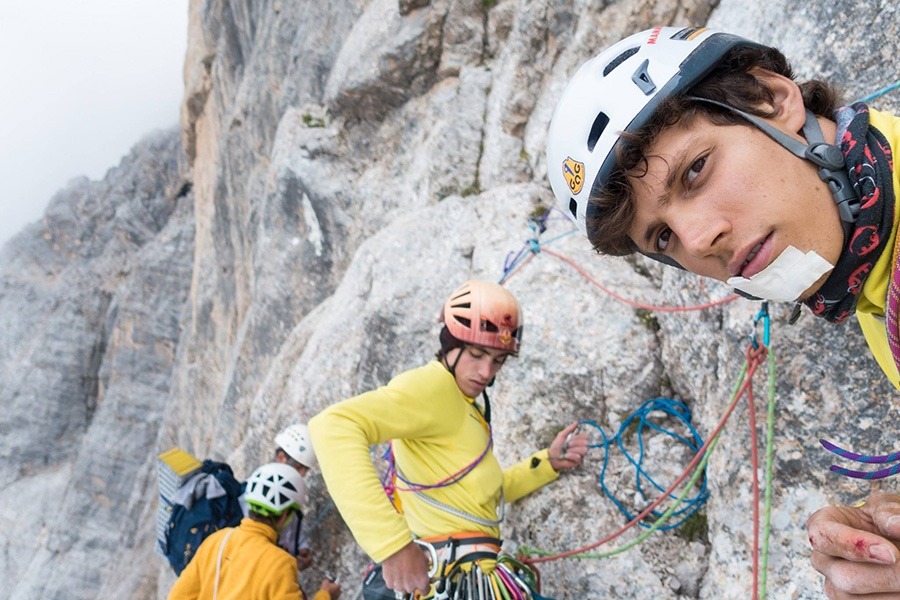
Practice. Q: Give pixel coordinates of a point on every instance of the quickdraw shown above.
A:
(470, 567)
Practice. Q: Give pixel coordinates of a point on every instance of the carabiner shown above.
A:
(433, 565)
(762, 315)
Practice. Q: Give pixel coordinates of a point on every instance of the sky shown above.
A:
(81, 82)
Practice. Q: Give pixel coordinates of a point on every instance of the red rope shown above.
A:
(632, 302)
(754, 463)
(754, 359)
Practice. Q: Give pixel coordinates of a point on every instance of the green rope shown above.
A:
(527, 550)
(770, 459)
(769, 483)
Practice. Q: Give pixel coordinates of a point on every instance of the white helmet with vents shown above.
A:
(274, 488)
(616, 91)
(296, 443)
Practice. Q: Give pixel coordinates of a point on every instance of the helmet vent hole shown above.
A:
(619, 60)
(597, 128)
(573, 208)
(488, 326)
(467, 323)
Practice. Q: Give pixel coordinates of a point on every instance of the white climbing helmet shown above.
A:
(274, 488)
(296, 443)
(616, 91)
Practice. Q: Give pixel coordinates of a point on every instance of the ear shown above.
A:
(788, 101)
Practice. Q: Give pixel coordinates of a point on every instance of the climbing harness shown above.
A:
(470, 566)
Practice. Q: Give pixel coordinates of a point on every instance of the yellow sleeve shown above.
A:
(322, 595)
(342, 434)
(874, 330)
(528, 475)
(187, 586)
(871, 306)
(280, 581)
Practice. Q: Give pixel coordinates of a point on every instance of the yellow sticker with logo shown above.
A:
(573, 171)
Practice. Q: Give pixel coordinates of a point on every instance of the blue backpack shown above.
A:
(189, 525)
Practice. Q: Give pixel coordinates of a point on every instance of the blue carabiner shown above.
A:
(762, 315)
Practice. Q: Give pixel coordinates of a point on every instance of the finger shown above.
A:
(884, 510)
(848, 579)
(579, 442)
(560, 438)
(836, 539)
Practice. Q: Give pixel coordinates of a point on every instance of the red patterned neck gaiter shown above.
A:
(867, 156)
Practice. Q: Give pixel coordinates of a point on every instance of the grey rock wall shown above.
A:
(341, 167)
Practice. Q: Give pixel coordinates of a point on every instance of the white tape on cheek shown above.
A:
(789, 275)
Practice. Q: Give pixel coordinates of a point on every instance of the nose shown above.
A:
(702, 232)
(485, 368)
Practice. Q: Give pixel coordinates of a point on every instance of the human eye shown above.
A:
(662, 239)
(690, 176)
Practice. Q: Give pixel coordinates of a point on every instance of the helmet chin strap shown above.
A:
(455, 362)
(487, 401)
(827, 157)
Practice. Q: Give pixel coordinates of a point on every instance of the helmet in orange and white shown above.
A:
(485, 314)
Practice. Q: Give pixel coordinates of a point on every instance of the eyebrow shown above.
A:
(666, 196)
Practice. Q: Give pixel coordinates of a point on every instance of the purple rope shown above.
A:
(416, 487)
(863, 458)
(879, 474)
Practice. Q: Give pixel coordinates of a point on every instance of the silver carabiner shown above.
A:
(433, 566)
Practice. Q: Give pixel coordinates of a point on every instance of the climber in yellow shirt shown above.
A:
(446, 481)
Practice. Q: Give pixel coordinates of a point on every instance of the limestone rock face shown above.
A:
(340, 168)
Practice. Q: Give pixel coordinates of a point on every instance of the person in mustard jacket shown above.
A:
(697, 148)
(244, 562)
(448, 489)
(293, 448)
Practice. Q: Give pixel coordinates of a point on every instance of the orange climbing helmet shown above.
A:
(485, 314)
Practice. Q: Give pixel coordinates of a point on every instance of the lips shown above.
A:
(756, 259)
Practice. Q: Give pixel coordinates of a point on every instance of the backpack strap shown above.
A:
(219, 562)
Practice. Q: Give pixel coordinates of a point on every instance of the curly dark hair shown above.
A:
(733, 83)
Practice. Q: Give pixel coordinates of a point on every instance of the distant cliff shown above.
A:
(340, 167)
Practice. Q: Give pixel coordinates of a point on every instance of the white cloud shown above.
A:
(82, 81)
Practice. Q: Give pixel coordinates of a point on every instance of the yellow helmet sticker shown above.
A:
(573, 171)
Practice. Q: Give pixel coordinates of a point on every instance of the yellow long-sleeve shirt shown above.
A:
(253, 567)
(437, 431)
(871, 307)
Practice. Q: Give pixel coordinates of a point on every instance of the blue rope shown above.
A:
(673, 408)
(881, 92)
